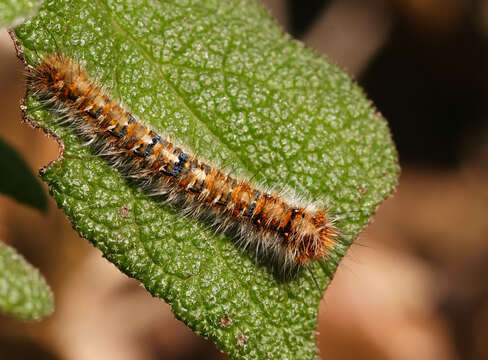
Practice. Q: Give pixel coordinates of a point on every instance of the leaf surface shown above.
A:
(221, 78)
(12, 12)
(19, 182)
(23, 291)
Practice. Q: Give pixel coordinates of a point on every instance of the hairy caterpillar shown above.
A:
(291, 232)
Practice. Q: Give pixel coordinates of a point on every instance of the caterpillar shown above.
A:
(268, 221)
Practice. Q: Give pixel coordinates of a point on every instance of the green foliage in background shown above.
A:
(224, 80)
(13, 12)
(18, 181)
(23, 291)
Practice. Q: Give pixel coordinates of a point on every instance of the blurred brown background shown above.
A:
(418, 289)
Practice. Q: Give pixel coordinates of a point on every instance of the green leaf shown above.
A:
(13, 12)
(23, 291)
(224, 80)
(19, 182)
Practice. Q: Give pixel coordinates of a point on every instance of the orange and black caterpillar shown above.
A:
(267, 221)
